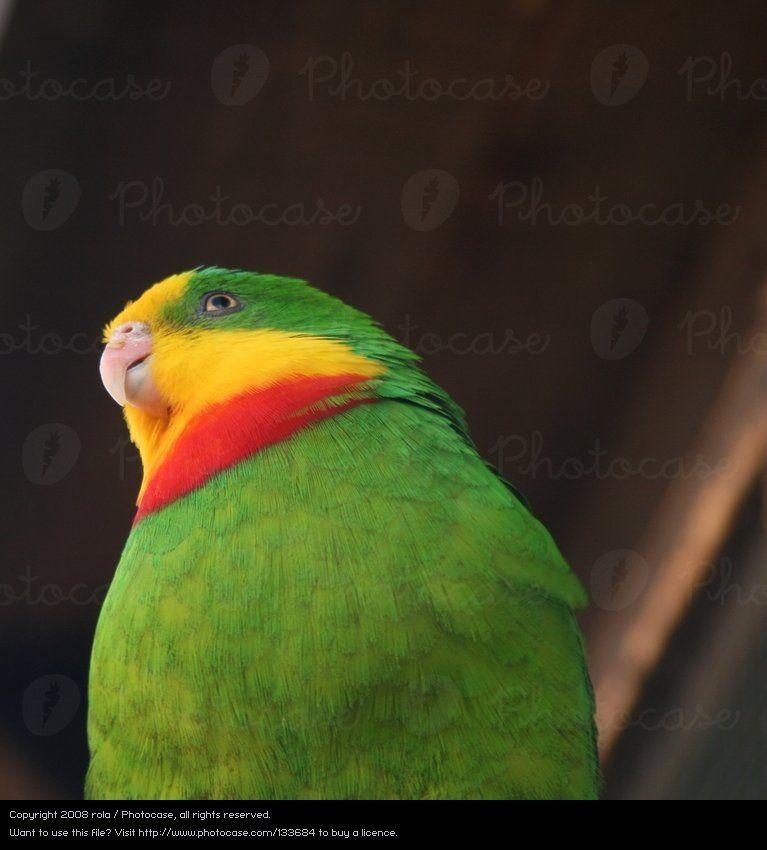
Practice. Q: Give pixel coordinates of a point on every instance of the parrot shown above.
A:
(326, 592)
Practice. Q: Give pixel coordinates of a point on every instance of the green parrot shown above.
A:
(326, 592)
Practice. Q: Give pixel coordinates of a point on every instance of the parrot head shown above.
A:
(206, 355)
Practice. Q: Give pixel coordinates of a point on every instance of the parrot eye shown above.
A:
(220, 303)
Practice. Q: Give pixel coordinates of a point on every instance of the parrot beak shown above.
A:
(126, 369)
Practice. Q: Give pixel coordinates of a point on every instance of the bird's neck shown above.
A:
(189, 453)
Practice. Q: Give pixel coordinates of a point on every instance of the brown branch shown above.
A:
(689, 528)
(20, 781)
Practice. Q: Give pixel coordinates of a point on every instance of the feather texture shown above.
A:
(360, 610)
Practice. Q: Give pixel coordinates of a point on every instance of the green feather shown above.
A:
(361, 611)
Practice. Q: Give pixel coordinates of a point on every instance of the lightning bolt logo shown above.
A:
(619, 325)
(51, 447)
(51, 194)
(429, 196)
(240, 70)
(618, 576)
(619, 71)
(51, 699)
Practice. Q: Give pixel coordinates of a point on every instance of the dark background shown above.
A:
(460, 290)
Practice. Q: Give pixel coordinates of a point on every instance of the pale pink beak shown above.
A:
(126, 369)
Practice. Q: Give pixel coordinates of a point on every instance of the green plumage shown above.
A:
(364, 610)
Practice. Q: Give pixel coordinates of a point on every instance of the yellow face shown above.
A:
(188, 368)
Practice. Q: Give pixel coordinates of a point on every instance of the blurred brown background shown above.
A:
(578, 253)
